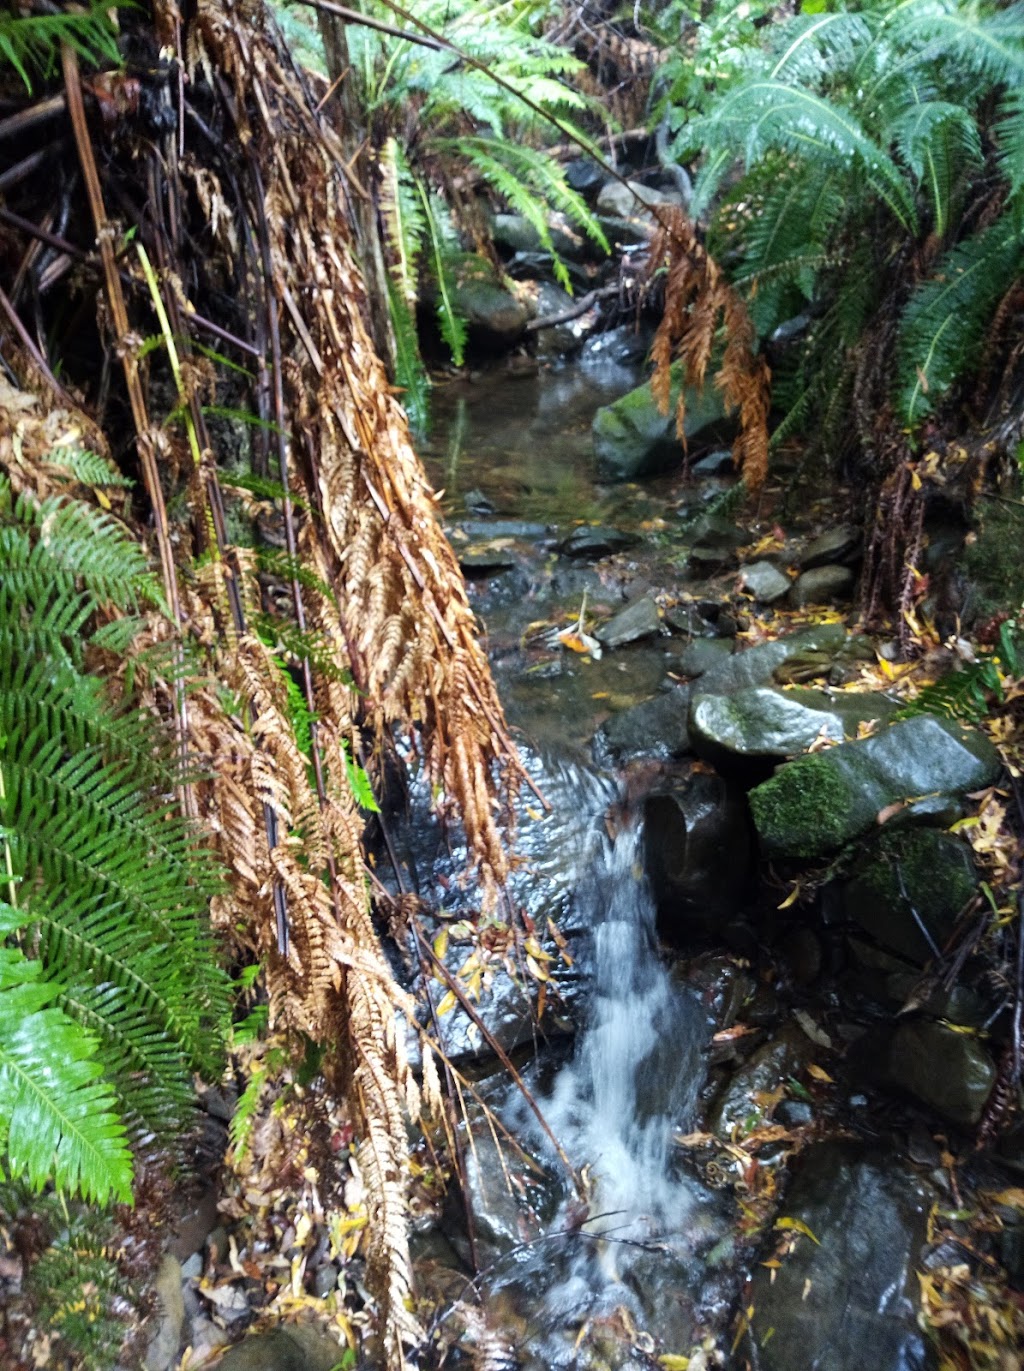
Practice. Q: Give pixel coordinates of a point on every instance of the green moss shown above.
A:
(993, 561)
(800, 812)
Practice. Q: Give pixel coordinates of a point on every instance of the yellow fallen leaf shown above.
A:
(441, 944)
(1014, 1197)
(796, 1226)
(792, 897)
(446, 1003)
(671, 1362)
(820, 1074)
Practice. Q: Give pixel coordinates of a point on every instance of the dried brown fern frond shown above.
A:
(700, 306)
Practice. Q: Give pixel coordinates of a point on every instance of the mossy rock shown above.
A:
(992, 559)
(914, 871)
(817, 804)
(632, 437)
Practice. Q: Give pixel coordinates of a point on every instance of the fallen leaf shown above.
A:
(820, 1074)
(796, 1226)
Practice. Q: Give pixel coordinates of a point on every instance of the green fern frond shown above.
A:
(938, 141)
(946, 316)
(32, 43)
(450, 321)
(404, 222)
(89, 468)
(1009, 132)
(58, 1118)
(410, 373)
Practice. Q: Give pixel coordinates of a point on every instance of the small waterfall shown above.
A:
(634, 1076)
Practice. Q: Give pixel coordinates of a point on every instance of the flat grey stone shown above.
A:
(702, 655)
(764, 581)
(638, 620)
(764, 722)
(822, 585)
(590, 542)
(717, 463)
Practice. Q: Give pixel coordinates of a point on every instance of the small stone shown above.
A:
(717, 463)
(839, 545)
(638, 620)
(712, 530)
(822, 585)
(769, 1067)
(687, 620)
(593, 542)
(193, 1268)
(325, 1281)
(764, 581)
(482, 561)
(705, 561)
(655, 728)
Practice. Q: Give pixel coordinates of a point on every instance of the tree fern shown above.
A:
(107, 887)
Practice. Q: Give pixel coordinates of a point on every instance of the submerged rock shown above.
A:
(654, 728)
(947, 1071)
(697, 852)
(632, 437)
(814, 805)
(636, 621)
(764, 722)
(909, 878)
(849, 1298)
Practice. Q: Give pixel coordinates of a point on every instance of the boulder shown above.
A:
(764, 581)
(816, 804)
(297, 1348)
(762, 721)
(627, 201)
(947, 1071)
(632, 438)
(636, 621)
(702, 655)
(697, 853)
(822, 585)
(494, 315)
(851, 1296)
(655, 728)
(757, 664)
(918, 872)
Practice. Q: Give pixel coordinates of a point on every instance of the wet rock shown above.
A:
(909, 878)
(493, 314)
(296, 1348)
(626, 201)
(583, 174)
(714, 531)
(162, 1353)
(559, 340)
(718, 463)
(782, 1056)
(756, 665)
(503, 1215)
(591, 543)
(688, 620)
(839, 546)
(485, 561)
(764, 722)
(946, 1071)
(814, 805)
(764, 581)
(636, 621)
(655, 728)
(722, 988)
(822, 585)
(504, 1009)
(706, 561)
(483, 530)
(852, 1295)
(702, 655)
(697, 853)
(632, 438)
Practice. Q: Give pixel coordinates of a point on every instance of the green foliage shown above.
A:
(853, 143)
(969, 692)
(103, 884)
(31, 44)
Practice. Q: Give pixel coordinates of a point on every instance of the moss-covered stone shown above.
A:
(814, 805)
(800, 810)
(633, 438)
(992, 559)
(920, 872)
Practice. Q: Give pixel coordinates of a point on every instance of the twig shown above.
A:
(28, 118)
(579, 307)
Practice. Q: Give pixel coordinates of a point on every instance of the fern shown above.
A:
(946, 317)
(939, 142)
(32, 43)
(450, 321)
(106, 885)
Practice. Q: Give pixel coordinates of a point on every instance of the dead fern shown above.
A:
(700, 306)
